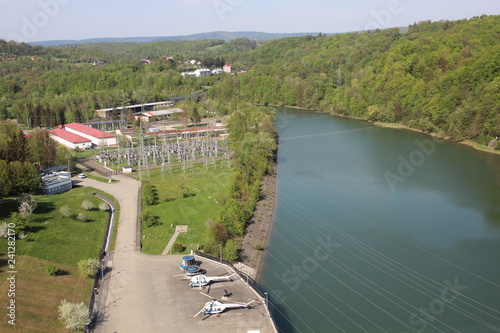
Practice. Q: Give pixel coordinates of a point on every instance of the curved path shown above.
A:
(143, 293)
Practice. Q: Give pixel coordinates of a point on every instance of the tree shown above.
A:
(43, 148)
(18, 221)
(87, 205)
(230, 251)
(81, 217)
(103, 206)
(19, 177)
(217, 233)
(195, 116)
(27, 204)
(4, 230)
(89, 267)
(149, 219)
(233, 217)
(65, 211)
(75, 316)
(13, 144)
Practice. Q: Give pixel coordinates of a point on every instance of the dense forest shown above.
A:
(440, 77)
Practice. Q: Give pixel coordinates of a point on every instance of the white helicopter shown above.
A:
(202, 280)
(216, 307)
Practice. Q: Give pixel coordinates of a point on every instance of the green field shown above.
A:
(208, 188)
(56, 240)
(38, 295)
(61, 240)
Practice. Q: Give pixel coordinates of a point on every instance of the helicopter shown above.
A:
(202, 280)
(216, 307)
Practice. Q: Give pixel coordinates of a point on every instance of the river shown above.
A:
(381, 230)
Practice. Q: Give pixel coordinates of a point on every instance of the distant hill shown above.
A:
(225, 35)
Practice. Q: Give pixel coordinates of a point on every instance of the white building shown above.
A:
(70, 140)
(203, 72)
(188, 74)
(160, 114)
(97, 137)
(57, 182)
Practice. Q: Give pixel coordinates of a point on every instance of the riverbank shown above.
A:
(254, 242)
(469, 143)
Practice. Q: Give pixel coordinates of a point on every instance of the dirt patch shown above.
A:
(254, 241)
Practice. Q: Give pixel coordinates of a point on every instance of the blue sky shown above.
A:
(37, 20)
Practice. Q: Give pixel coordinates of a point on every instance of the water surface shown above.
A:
(382, 230)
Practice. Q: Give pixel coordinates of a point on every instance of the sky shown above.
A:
(41, 20)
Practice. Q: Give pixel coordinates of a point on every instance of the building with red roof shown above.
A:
(69, 139)
(97, 137)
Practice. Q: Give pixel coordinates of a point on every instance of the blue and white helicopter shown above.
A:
(217, 307)
(202, 280)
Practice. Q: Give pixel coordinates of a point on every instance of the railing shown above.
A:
(245, 277)
(100, 275)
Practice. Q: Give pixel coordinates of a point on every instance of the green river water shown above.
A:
(381, 230)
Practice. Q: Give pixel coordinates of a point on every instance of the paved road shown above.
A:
(143, 293)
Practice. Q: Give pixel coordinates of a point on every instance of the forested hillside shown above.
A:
(441, 77)
(50, 86)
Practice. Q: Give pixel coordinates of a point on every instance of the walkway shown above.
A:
(178, 230)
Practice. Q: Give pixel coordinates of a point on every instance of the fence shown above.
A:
(245, 277)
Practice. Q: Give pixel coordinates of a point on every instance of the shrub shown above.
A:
(81, 217)
(53, 270)
(149, 219)
(27, 204)
(87, 205)
(178, 247)
(187, 192)
(74, 315)
(25, 209)
(230, 251)
(89, 267)
(259, 246)
(148, 194)
(4, 230)
(65, 211)
(167, 198)
(217, 233)
(103, 206)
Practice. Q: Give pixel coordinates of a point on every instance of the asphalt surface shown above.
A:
(145, 293)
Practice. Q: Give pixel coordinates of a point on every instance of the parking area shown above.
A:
(160, 300)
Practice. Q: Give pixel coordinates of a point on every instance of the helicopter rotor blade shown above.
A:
(207, 295)
(202, 309)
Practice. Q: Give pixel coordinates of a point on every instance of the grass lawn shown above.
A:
(61, 240)
(208, 188)
(38, 295)
(56, 240)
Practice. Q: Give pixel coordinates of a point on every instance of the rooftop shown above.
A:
(68, 136)
(163, 112)
(134, 106)
(89, 131)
